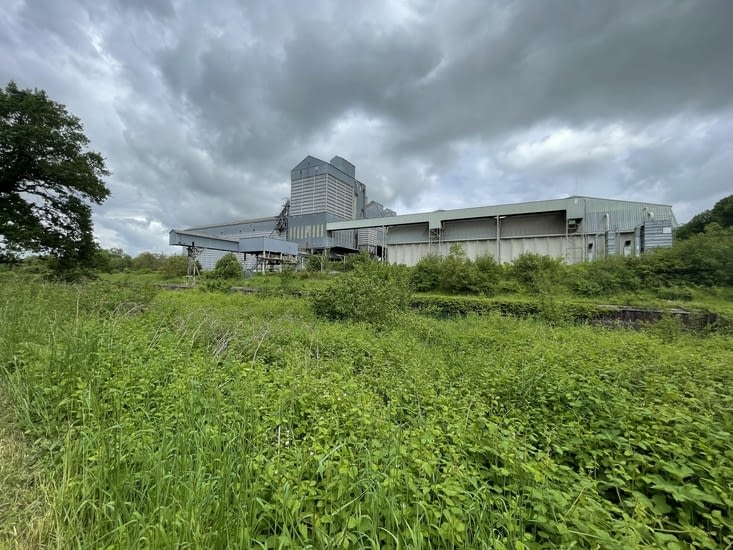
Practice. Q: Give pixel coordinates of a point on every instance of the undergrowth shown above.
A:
(211, 420)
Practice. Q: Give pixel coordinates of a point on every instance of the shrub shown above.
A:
(489, 274)
(604, 276)
(355, 259)
(372, 293)
(703, 259)
(425, 275)
(536, 272)
(228, 267)
(317, 262)
(174, 266)
(458, 274)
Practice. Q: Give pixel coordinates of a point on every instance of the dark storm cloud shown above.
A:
(583, 62)
(202, 109)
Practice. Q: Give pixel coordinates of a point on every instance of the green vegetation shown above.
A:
(47, 180)
(227, 267)
(691, 267)
(157, 419)
(371, 293)
(481, 412)
(456, 274)
(721, 215)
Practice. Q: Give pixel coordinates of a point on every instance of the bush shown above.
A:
(535, 272)
(703, 259)
(355, 259)
(458, 274)
(113, 260)
(209, 284)
(317, 263)
(174, 266)
(228, 267)
(425, 275)
(489, 275)
(604, 276)
(372, 293)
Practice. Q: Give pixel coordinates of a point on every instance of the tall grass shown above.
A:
(212, 421)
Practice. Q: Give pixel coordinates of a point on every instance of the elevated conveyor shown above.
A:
(268, 251)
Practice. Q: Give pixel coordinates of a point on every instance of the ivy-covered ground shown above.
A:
(155, 419)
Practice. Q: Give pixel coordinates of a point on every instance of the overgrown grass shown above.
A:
(213, 421)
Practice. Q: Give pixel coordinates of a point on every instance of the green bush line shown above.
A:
(562, 310)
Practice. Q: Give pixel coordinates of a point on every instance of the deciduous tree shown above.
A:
(48, 179)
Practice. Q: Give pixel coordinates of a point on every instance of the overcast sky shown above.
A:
(202, 108)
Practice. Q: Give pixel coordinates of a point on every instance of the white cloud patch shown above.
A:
(572, 147)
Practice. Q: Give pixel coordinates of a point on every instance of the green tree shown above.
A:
(112, 260)
(355, 259)
(147, 261)
(174, 266)
(317, 262)
(704, 259)
(721, 214)
(47, 180)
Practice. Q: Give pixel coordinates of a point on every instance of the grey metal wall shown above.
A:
(656, 234)
(411, 253)
(402, 234)
(308, 230)
(549, 223)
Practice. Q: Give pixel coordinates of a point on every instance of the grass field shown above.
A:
(140, 418)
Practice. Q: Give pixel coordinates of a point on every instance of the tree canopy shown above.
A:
(721, 213)
(48, 179)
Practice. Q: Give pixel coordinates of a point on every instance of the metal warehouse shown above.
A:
(328, 211)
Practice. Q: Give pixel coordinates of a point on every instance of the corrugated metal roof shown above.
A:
(626, 214)
(236, 222)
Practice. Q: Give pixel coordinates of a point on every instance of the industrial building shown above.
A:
(328, 210)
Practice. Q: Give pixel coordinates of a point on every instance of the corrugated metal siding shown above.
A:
(511, 249)
(370, 237)
(308, 195)
(341, 200)
(611, 243)
(656, 234)
(552, 223)
(322, 192)
(622, 215)
(463, 230)
(407, 234)
(344, 239)
(265, 244)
